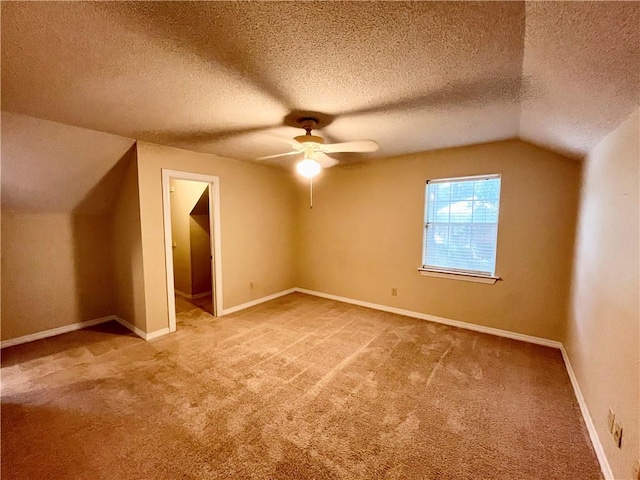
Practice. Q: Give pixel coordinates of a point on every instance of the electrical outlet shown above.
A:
(611, 419)
(617, 434)
(394, 292)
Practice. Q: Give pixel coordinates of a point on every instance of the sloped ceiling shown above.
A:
(56, 168)
(220, 77)
(202, 205)
(582, 64)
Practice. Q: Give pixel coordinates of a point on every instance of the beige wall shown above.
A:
(257, 206)
(55, 271)
(185, 195)
(200, 254)
(603, 334)
(364, 236)
(129, 300)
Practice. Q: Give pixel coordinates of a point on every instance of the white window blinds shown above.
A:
(461, 224)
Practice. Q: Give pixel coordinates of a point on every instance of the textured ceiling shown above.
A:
(220, 77)
(582, 62)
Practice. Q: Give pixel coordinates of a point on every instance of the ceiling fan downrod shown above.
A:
(308, 124)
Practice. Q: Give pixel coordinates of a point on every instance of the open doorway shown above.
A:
(192, 243)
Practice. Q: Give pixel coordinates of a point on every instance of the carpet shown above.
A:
(296, 388)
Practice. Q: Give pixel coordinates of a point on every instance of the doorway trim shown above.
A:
(215, 238)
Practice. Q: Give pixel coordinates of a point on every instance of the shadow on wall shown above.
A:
(200, 240)
(93, 252)
(92, 263)
(191, 250)
(101, 198)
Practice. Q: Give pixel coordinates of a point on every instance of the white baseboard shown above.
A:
(56, 331)
(139, 332)
(192, 297)
(432, 318)
(258, 301)
(158, 333)
(593, 434)
(131, 327)
(201, 295)
(77, 326)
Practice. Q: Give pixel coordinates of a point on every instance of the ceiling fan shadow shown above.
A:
(453, 95)
(468, 94)
(198, 136)
(184, 22)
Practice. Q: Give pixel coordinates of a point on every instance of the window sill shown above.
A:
(466, 277)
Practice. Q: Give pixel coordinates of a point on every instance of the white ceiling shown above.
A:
(220, 77)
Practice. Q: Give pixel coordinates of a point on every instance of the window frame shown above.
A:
(452, 272)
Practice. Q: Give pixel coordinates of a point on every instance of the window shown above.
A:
(461, 225)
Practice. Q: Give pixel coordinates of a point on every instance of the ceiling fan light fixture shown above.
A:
(308, 168)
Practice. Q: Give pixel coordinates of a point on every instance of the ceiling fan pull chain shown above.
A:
(311, 192)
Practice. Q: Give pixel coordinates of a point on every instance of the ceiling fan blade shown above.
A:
(277, 155)
(325, 160)
(354, 146)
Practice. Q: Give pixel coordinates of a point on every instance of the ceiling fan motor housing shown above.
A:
(309, 139)
(308, 123)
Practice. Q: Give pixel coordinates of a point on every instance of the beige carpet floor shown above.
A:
(297, 388)
(184, 304)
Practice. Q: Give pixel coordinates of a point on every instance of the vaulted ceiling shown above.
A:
(221, 77)
(48, 167)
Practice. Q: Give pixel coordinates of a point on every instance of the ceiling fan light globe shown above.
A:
(308, 168)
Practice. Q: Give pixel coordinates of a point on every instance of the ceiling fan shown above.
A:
(315, 150)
